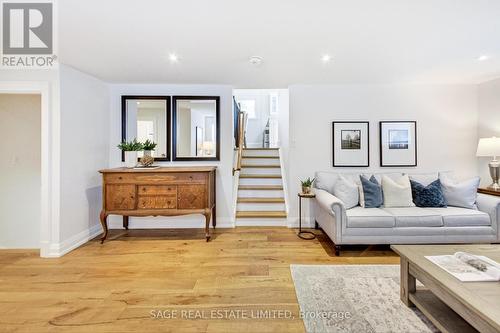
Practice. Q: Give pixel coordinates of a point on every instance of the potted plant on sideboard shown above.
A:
(306, 185)
(130, 149)
(148, 146)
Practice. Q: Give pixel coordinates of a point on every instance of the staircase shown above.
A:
(261, 199)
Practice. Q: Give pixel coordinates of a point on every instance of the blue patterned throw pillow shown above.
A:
(428, 196)
(372, 192)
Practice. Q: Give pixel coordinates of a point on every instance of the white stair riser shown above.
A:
(260, 181)
(261, 171)
(268, 207)
(268, 222)
(260, 161)
(261, 153)
(260, 194)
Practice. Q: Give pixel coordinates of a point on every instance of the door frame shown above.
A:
(50, 160)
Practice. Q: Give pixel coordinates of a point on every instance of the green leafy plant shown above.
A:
(133, 145)
(307, 182)
(149, 145)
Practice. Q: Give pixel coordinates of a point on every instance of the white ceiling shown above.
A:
(371, 41)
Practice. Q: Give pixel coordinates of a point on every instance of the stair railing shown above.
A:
(240, 141)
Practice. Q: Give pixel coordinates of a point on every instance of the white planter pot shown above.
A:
(130, 159)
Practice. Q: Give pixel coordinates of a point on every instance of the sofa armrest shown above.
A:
(330, 203)
(490, 204)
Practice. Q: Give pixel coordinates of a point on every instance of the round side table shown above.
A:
(302, 234)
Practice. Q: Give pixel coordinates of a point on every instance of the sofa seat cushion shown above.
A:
(463, 217)
(415, 217)
(359, 217)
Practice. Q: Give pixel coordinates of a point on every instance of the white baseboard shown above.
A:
(59, 249)
(306, 223)
(256, 222)
(177, 222)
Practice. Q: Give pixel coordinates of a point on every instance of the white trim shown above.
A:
(261, 222)
(60, 249)
(49, 215)
(173, 223)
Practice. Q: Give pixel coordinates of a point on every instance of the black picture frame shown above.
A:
(124, 99)
(415, 140)
(335, 164)
(174, 128)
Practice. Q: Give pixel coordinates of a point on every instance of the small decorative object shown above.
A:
(130, 149)
(148, 147)
(398, 143)
(306, 185)
(490, 147)
(351, 143)
(146, 160)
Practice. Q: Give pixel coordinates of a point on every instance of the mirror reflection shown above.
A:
(147, 119)
(196, 128)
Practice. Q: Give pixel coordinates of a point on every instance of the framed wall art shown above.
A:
(398, 143)
(351, 143)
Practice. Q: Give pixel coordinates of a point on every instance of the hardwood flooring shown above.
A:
(137, 278)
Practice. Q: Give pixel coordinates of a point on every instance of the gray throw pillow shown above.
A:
(463, 194)
(372, 192)
(346, 191)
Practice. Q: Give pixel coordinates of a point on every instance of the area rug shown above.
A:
(354, 298)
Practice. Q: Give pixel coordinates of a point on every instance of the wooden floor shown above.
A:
(122, 285)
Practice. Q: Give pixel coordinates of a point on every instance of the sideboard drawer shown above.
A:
(158, 190)
(192, 197)
(158, 202)
(120, 197)
(151, 178)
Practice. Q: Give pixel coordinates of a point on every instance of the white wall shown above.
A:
(446, 124)
(20, 170)
(224, 166)
(84, 150)
(489, 121)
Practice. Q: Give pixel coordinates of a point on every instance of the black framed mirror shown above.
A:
(147, 118)
(196, 129)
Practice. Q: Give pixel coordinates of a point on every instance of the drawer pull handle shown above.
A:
(120, 178)
(144, 189)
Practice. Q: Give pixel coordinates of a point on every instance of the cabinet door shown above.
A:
(120, 197)
(192, 197)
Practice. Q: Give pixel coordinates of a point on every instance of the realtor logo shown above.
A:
(28, 29)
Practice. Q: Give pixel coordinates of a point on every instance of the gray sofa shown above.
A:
(408, 225)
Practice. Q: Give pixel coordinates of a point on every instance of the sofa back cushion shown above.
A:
(424, 178)
(428, 196)
(372, 192)
(397, 193)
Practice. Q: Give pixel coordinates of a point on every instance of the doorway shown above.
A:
(20, 170)
(267, 116)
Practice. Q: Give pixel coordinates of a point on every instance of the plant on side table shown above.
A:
(130, 149)
(306, 185)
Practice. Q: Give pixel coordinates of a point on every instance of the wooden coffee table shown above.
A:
(451, 305)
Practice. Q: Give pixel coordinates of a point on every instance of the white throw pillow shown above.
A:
(460, 194)
(361, 195)
(397, 192)
(347, 191)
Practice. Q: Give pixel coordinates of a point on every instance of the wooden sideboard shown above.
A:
(488, 191)
(166, 191)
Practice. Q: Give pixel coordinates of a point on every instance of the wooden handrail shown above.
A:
(241, 141)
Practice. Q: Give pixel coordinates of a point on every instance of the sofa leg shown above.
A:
(316, 225)
(337, 250)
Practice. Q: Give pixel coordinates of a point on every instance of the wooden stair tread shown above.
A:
(264, 166)
(256, 175)
(261, 214)
(261, 187)
(261, 200)
(260, 156)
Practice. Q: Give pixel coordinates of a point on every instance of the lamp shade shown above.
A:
(488, 147)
